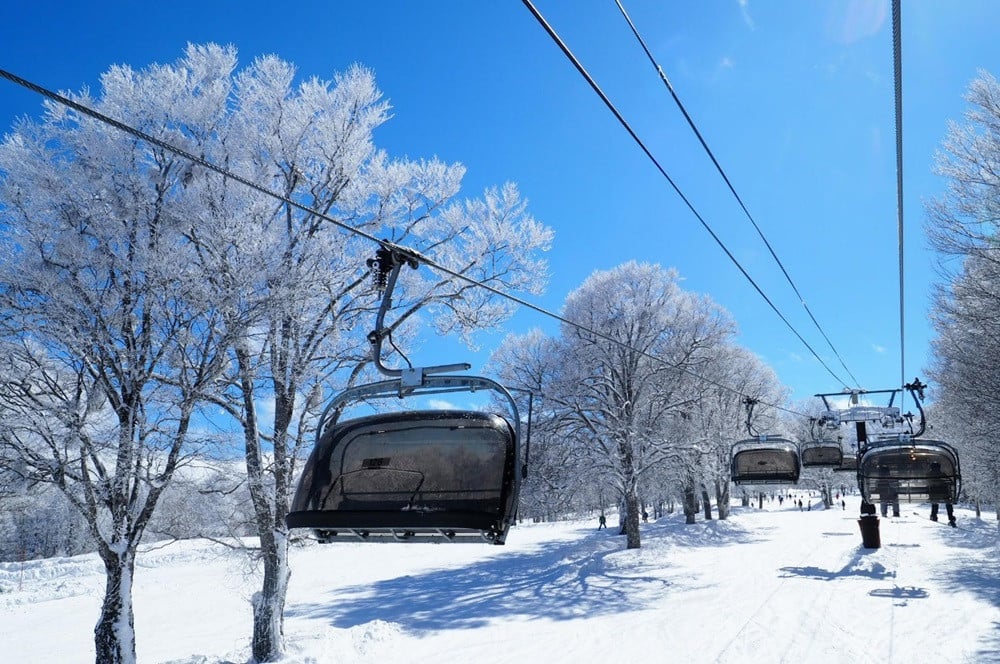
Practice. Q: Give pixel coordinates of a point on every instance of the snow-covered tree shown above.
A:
(717, 418)
(107, 345)
(613, 393)
(966, 408)
(964, 226)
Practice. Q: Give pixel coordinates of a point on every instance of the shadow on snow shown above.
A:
(591, 576)
(853, 568)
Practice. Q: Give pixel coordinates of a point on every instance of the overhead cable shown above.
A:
(897, 77)
(621, 119)
(152, 140)
(732, 189)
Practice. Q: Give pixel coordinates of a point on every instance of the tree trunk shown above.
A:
(722, 499)
(269, 603)
(114, 635)
(267, 642)
(632, 521)
(706, 503)
(631, 494)
(690, 503)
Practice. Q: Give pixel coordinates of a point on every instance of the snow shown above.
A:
(771, 585)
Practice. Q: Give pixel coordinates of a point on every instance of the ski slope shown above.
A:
(771, 585)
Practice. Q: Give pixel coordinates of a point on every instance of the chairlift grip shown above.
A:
(396, 257)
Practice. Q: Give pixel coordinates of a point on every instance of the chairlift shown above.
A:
(896, 465)
(912, 469)
(765, 460)
(821, 454)
(417, 475)
(848, 464)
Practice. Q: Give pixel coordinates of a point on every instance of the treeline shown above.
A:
(964, 228)
(207, 499)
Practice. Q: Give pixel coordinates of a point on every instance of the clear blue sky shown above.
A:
(795, 98)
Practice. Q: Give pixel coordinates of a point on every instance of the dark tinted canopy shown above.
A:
(821, 453)
(410, 476)
(765, 460)
(919, 470)
(849, 464)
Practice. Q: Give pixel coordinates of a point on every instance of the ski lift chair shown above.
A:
(910, 468)
(417, 475)
(849, 464)
(821, 454)
(765, 460)
(442, 475)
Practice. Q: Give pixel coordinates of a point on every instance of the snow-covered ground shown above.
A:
(777, 585)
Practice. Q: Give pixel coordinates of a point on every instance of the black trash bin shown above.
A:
(869, 532)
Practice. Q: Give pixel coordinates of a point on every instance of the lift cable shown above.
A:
(732, 189)
(897, 75)
(152, 140)
(607, 102)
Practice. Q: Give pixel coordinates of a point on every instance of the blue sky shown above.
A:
(795, 98)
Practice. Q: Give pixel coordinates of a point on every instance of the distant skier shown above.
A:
(602, 520)
(645, 516)
(800, 504)
(843, 505)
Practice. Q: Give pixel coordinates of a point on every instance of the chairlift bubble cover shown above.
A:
(765, 460)
(849, 464)
(916, 471)
(407, 476)
(821, 454)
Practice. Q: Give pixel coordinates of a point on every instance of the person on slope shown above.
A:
(937, 489)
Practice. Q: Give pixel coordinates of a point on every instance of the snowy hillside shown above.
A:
(777, 585)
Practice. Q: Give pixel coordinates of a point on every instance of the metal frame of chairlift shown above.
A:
(763, 459)
(366, 480)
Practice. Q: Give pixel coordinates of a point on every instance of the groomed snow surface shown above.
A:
(771, 585)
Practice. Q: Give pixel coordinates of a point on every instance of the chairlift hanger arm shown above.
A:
(389, 260)
(749, 403)
(916, 390)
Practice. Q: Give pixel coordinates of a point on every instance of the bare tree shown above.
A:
(718, 418)
(613, 393)
(963, 225)
(107, 349)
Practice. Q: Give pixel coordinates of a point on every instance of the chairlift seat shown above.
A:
(765, 460)
(849, 464)
(821, 453)
(915, 470)
(441, 475)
